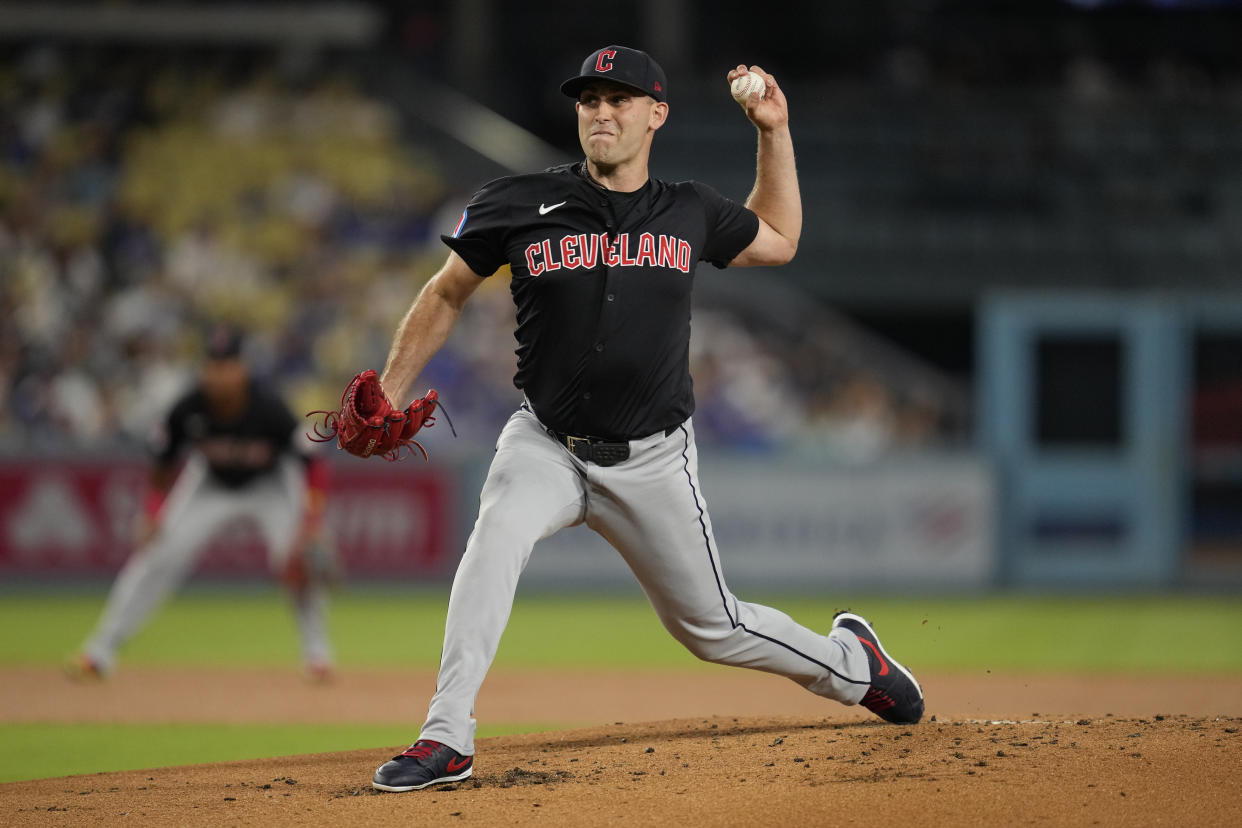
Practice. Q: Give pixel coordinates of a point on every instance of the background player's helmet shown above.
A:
(224, 342)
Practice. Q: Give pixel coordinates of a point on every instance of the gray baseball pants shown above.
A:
(196, 510)
(651, 509)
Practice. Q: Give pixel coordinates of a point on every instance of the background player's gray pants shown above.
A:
(651, 509)
(196, 509)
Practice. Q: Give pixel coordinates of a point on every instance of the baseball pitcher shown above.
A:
(603, 260)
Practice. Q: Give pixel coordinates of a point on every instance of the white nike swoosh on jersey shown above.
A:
(543, 211)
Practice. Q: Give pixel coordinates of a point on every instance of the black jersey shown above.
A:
(236, 450)
(602, 284)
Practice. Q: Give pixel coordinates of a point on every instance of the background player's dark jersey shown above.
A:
(239, 449)
(602, 284)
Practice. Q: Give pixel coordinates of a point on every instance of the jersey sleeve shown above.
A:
(285, 427)
(479, 237)
(730, 226)
(277, 425)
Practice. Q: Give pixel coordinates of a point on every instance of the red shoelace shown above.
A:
(422, 749)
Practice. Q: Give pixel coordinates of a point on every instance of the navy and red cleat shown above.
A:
(423, 764)
(84, 668)
(894, 695)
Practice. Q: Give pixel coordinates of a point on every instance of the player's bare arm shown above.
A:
(159, 482)
(162, 476)
(427, 325)
(775, 198)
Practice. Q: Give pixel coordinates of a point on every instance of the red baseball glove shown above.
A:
(367, 424)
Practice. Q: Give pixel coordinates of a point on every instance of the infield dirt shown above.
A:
(1000, 750)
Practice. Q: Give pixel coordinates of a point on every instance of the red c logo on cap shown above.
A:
(602, 65)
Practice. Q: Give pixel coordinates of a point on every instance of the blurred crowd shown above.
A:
(147, 194)
(144, 195)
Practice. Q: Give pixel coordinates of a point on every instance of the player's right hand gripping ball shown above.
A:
(746, 85)
(367, 424)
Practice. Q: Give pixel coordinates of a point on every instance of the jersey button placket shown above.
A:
(610, 231)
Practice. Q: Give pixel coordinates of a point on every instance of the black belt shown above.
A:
(592, 449)
(595, 450)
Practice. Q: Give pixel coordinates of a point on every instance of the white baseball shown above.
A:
(743, 87)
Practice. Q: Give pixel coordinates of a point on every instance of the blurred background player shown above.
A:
(247, 459)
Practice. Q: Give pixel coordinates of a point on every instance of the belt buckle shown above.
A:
(572, 443)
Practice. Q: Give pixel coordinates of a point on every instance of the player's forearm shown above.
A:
(158, 484)
(776, 198)
(317, 476)
(162, 476)
(423, 331)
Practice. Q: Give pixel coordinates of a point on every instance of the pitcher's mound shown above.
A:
(749, 771)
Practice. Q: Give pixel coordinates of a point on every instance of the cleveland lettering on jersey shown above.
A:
(589, 250)
(604, 269)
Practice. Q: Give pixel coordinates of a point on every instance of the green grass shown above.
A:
(1169, 635)
(1145, 634)
(38, 751)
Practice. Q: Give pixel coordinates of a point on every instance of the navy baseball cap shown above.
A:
(224, 342)
(620, 64)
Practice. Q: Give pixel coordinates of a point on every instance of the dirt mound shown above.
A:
(713, 771)
(779, 756)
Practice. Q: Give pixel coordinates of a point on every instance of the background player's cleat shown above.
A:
(894, 695)
(82, 667)
(425, 763)
(319, 672)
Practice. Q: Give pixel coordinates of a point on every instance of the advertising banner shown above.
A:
(78, 517)
(925, 522)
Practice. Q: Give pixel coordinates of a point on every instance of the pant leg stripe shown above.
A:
(711, 559)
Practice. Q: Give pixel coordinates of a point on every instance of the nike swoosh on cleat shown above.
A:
(543, 211)
(876, 650)
(455, 765)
